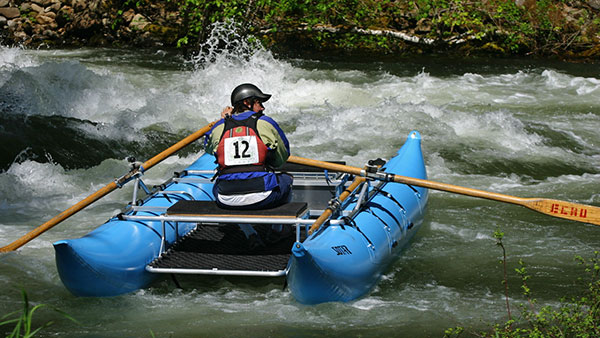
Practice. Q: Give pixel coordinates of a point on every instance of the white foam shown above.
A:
(15, 58)
(581, 85)
(466, 235)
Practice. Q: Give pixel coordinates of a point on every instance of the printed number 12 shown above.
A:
(244, 154)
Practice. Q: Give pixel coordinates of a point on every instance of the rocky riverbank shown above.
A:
(85, 23)
(569, 29)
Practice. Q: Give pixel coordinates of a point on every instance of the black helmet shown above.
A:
(247, 91)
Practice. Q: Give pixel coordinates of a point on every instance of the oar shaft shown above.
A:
(561, 209)
(102, 192)
(327, 165)
(409, 180)
(459, 190)
(59, 218)
(177, 146)
(329, 211)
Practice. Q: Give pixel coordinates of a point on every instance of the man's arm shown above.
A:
(275, 139)
(211, 140)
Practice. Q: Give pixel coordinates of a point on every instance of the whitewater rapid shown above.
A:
(70, 117)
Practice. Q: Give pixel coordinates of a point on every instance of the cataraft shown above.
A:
(348, 229)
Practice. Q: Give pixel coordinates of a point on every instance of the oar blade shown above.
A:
(567, 210)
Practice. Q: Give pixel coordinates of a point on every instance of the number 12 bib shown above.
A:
(241, 150)
(240, 147)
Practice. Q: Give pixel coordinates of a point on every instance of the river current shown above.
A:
(68, 119)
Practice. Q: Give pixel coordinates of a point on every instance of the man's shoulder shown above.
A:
(264, 120)
(216, 129)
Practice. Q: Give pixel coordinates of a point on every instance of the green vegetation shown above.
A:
(576, 317)
(23, 319)
(542, 27)
(567, 28)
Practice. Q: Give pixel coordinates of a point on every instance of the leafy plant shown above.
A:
(23, 319)
(499, 236)
(575, 317)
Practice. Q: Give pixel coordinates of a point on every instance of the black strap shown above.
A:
(243, 169)
(235, 187)
(249, 122)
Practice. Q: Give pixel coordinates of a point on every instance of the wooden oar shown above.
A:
(106, 189)
(329, 211)
(557, 208)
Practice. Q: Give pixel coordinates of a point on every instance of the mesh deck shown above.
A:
(224, 247)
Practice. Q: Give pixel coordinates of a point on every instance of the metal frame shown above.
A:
(297, 221)
(301, 179)
(216, 272)
(304, 220)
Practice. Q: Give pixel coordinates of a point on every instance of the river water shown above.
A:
(520, 127)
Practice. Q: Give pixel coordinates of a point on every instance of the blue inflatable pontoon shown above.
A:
(178, 229)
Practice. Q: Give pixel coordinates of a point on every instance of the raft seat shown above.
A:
(210, 208)
(219, 247)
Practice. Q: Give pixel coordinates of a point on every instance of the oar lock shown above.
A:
(372, 170)
(135, 170)
(373, 165)
(133, 164)
(378, 162)
(334, 204)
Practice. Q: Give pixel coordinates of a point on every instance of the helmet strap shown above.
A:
(248, 107)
